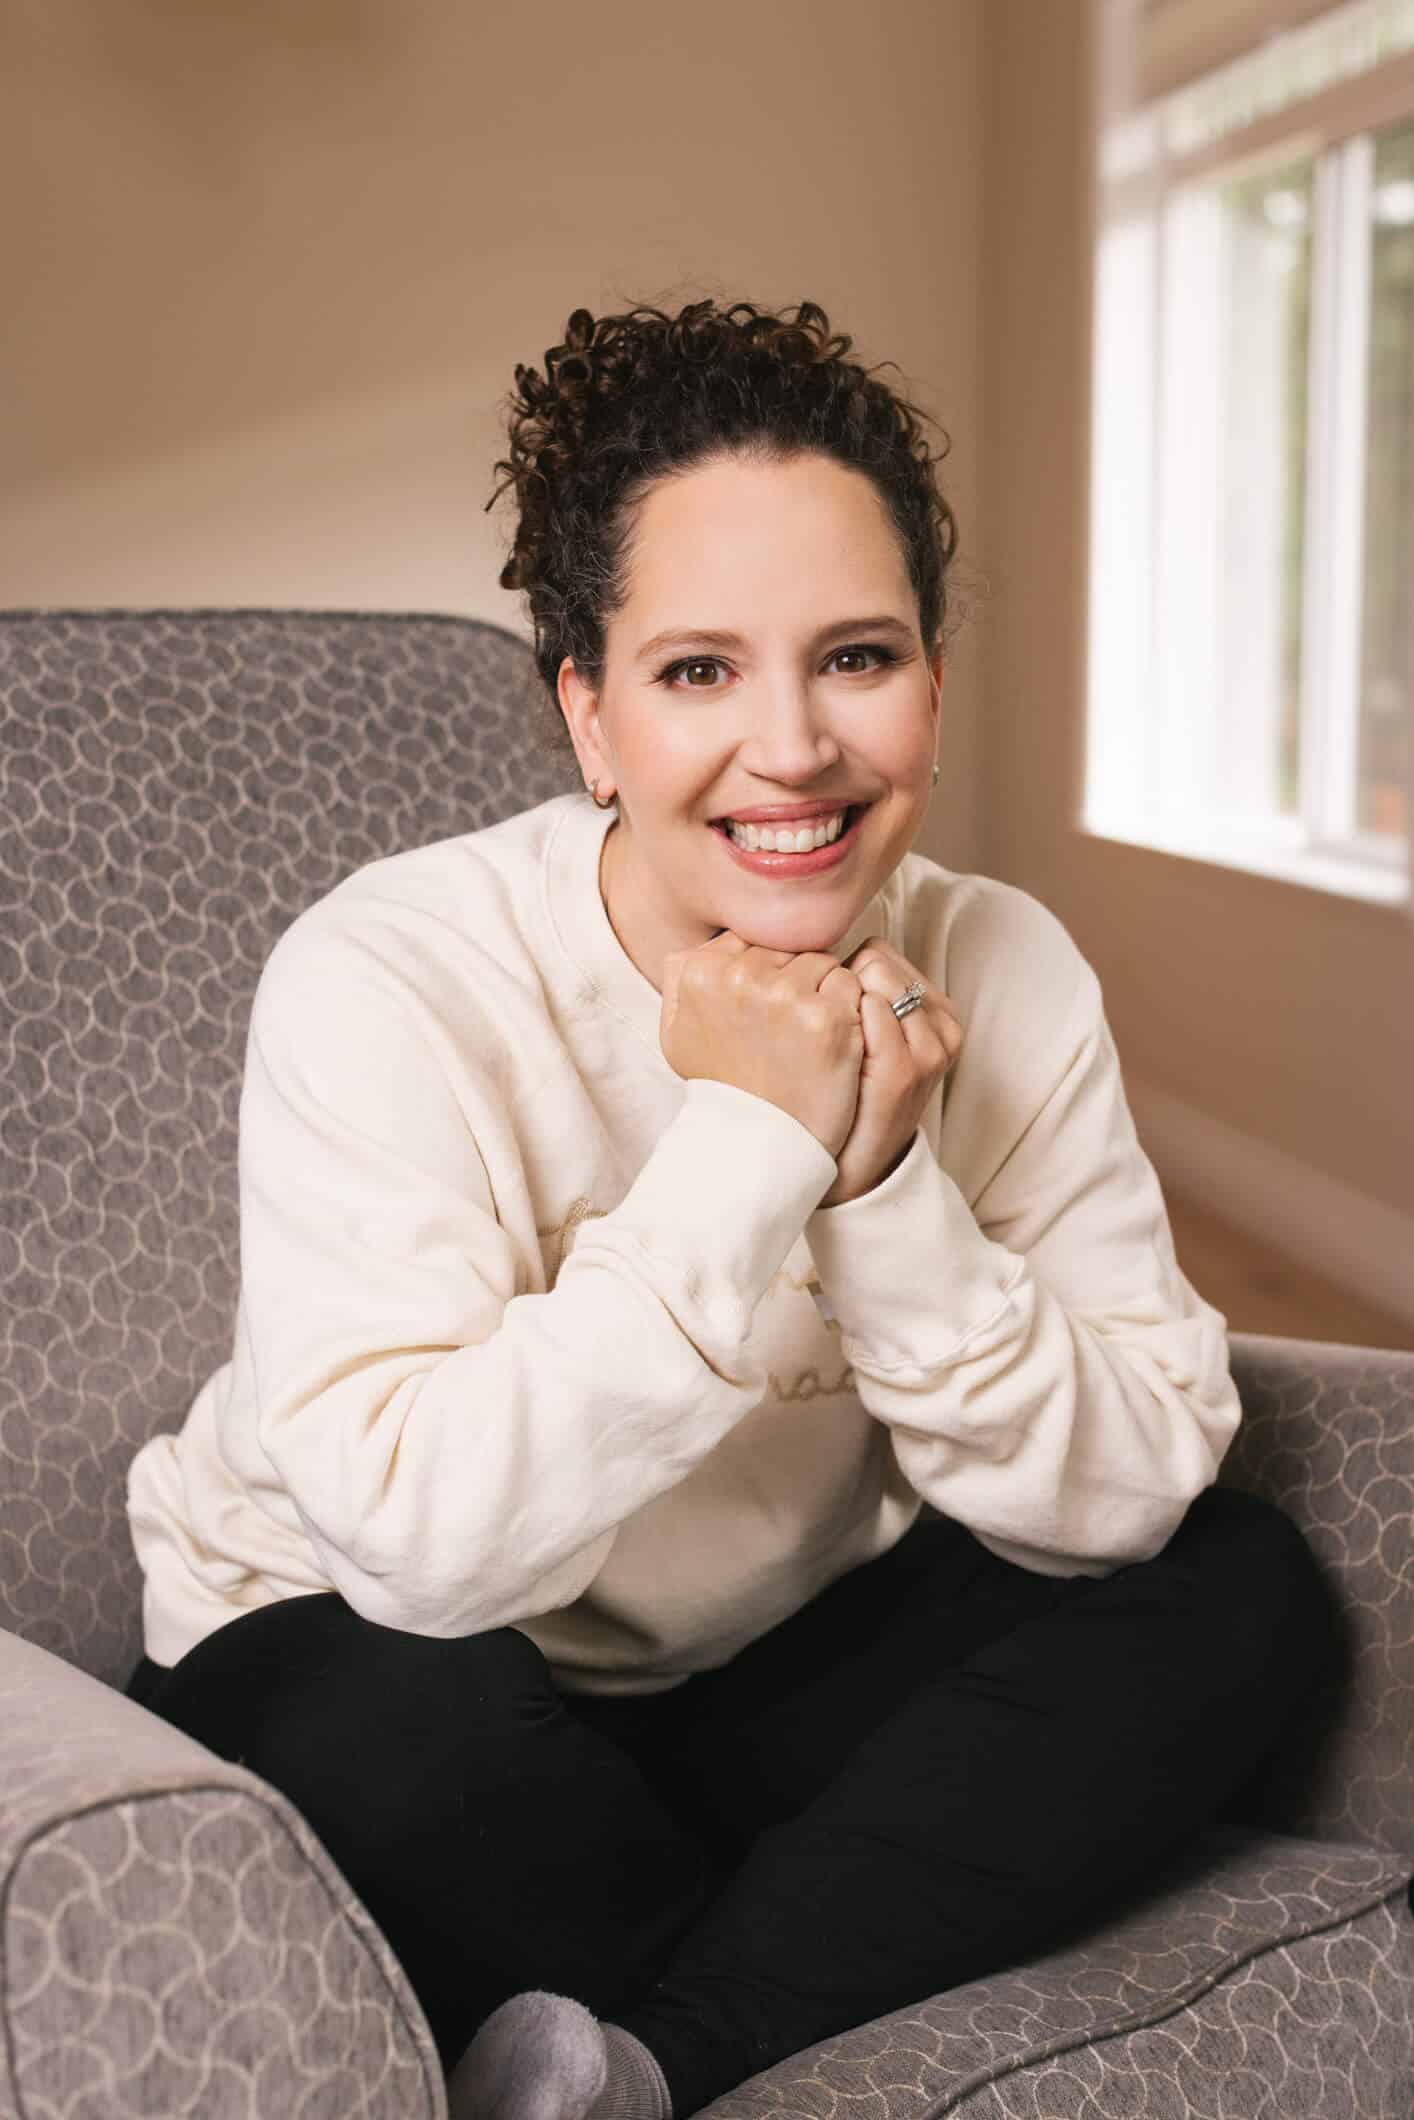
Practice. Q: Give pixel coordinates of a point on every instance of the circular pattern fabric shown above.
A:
(175, 788)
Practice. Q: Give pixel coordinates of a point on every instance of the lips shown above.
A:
(796, 824)
(784, 865)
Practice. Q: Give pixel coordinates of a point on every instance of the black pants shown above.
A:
(941, 1766)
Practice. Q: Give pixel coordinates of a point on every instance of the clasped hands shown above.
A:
(904, 1061)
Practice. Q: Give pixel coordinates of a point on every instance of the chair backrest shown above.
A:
(175, 788)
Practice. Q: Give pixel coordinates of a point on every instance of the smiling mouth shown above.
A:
(852, 811)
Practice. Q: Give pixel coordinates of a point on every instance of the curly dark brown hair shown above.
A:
(628, 398)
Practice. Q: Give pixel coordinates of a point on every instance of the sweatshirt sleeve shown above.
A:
(1049, 1377)
(460, 1455)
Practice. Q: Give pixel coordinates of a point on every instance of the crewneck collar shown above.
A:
(581, 923)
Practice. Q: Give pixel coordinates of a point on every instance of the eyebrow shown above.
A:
(712, 637)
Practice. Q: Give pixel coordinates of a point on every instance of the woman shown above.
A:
(638, 1228)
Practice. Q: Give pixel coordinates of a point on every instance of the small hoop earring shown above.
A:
(607, 803)
(935, 776)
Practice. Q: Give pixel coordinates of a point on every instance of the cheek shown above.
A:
(902, 740)
(906, 764)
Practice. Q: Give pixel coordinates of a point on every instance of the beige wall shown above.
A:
(269, 270)
(1266, 1029)
(285, 260)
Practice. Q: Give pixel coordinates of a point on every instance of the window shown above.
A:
(1251, 621)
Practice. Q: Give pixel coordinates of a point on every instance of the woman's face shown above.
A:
(807, 702)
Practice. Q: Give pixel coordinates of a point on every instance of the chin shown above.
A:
(797, 940)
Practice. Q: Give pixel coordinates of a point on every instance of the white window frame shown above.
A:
(1143, 733)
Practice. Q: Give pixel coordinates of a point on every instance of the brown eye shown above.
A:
(666, 677)
(885, 656)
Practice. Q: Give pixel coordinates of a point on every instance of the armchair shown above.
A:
(178, 786)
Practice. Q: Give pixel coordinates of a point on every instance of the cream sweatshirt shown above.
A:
(534, 1333)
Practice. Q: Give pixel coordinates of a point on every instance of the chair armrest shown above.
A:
(175, 1938)
(1328, 1434)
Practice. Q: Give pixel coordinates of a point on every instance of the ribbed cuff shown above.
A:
(907, 1271)
(723, 1197)
(637, 2089)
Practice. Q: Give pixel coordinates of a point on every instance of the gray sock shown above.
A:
(546, 2057)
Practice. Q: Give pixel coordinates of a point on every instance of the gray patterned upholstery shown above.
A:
(177, 786)
(1267, 1977)
(175, 1938)
(1328, 1433)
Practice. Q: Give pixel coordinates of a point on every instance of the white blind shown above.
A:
(1176, 40)
(1190, 92)
(1174, 90)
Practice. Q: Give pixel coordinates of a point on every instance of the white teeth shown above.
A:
(782, 840)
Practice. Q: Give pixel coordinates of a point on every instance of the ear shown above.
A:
(580, 708)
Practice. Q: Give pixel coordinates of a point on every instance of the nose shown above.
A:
(790, 741)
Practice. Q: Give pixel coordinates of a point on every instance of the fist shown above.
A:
(904, 1063)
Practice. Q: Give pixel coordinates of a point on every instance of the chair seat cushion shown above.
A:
(1260, 1975)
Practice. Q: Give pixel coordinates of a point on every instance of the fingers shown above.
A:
(886, 972)
(927, 1037)
(813, 970)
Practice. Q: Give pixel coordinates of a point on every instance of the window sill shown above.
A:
(1375, 882)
